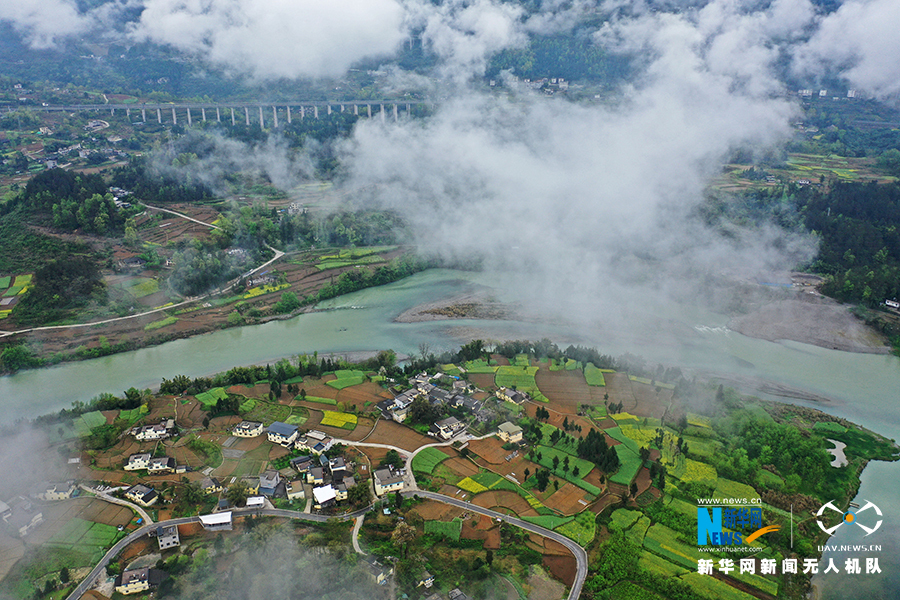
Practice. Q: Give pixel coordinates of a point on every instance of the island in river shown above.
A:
(604, 452)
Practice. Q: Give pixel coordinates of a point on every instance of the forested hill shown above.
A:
(858, 225)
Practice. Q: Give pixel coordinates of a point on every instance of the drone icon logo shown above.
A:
(850, 517)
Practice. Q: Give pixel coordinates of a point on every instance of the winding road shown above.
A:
(278, 254)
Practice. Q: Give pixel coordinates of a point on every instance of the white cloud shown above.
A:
(276, 38)
(860, 39)
(43, 22)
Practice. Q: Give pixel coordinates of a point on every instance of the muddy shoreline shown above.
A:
(811, 319)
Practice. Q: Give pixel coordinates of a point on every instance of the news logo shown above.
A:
(727, 526)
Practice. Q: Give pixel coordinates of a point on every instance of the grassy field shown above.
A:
(426, 460)
(593, 375)
(211, 397)
(451, 530)
(268, 412)
(623, 519)
(346, 378)
(318, 400)
(630, 464)
(161, 323)
(142, 286)
(584, 467)
(479, 366)
(549, 521)
(521, 378)
(581, 529)
(332, 418)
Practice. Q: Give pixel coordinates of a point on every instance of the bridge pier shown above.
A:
(174, 117)
(262, 124)
(329, 109)
(247, 115)
(159, 115)
(188, 109)
(302, 112)
(396, 116)
(144, 115)
(128, 113)
(382, 112)
(112, 112)
(203, 114)
(369, 108)
(275, 116)
(218, 116)
(342, 108)
(356, 109)
(289, 114)
(316, 111)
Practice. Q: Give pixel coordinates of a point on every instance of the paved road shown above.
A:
(278, 254)
(113, 500)
(578, 551)
(358, 515)
(355, 538)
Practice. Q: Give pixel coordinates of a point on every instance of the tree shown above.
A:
(398, 499)
(489, 557)
(527, 472)
(64, 575)
(575, 471)
(237, 494)
(543, 479)
(403, 535)
(634, 489)
(360, 494)
(555, 462)
(392, 458)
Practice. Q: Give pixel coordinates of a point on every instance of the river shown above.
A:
(865, 388)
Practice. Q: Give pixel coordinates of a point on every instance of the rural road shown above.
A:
(577, 551)
(278, 254)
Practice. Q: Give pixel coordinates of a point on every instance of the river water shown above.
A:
(865, 388)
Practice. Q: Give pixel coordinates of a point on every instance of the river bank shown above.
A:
(811, 319)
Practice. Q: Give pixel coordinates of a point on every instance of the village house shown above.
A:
(57, 491)
(302, 464)
(161, 465)
(892, 304)
(137, 462)
(337, 467)
(509, 432)
(166, 536)
(315, 476)
(282, 433)
(314, 441)
(379, 572)
(426, 579)
(511, 395)
(247, 429)
(447, 428)
(386, 481)
(343, 487)
(217, 522)
(142, 495)
(324, 496)
(211, 485)
(256, 502)
(134, 581)
(295, 490)
(153, 432)
(22, 517)
(252, 484)
(396, 409)
(269, 482)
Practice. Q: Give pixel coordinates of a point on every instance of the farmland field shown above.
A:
(211, 397)
(630, 465)
(549, 521)
(141, 286)
(318, 400)
(161, 323)
(346, 378)
(713, 588)
(520, 378)
(661, 566)
(593, 375)
(582, 529)
(341, 420)
(450, 530)
(426, 460)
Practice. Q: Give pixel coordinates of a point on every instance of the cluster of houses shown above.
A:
(150, 433)
(398, 408)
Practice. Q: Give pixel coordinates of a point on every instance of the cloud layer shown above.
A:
(276, 38)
